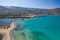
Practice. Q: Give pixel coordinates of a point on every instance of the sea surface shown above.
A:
(40, 28)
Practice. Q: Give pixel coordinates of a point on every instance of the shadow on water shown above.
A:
(1, 36)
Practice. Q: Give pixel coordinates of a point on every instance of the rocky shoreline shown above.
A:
(5, 32)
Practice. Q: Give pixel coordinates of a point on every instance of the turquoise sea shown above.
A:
(41, 28)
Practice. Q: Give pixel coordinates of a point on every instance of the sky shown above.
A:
(32, 3)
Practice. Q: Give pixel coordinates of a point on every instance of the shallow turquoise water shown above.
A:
(42, 28)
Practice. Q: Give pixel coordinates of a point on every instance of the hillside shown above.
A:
(22, 11)
(13, 9)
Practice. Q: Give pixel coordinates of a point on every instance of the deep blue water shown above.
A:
(4, 22)
(43, 28)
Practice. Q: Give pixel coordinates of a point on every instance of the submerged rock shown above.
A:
(24, 35)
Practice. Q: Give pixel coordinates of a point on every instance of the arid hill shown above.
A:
(9, 11)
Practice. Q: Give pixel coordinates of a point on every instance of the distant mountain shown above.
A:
(26, 10)
(4, 10)
(20, 10)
